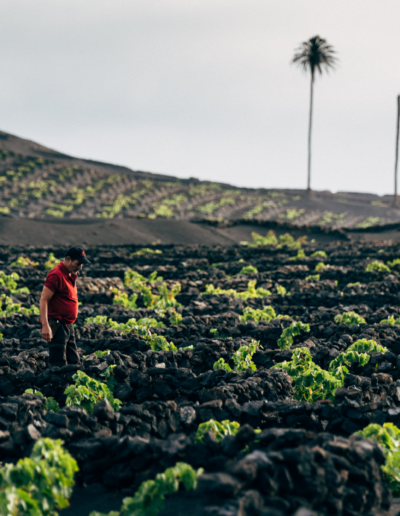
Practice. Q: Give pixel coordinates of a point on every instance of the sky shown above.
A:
(205, 89)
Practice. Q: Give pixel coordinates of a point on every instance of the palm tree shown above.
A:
(395, 200)
(314, 55)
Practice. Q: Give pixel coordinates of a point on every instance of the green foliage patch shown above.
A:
(23, 262)
(310, 381)
(163, 300)
(319, 254)
(377, 267)
(146, 250)
(299, 256)
(388, 437)
(242, 358)
(285, 341)
(349, 318)
(50, 404)
(219, 429)
(256, 314)
(40, 484)
(320, 267)
(248, 269)
(8, 307)
(86, 391)
(390, 320)
(272, 240)
(149, 498)
(51, 262)
(251, 291)
(10, 281)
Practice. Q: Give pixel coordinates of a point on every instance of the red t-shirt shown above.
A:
(64, 304)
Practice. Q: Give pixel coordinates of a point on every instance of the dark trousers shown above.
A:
(62, 347)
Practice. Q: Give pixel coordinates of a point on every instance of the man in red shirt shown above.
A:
(59, 308)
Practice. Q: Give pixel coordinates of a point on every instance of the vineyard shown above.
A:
(257, 379)
(39, 183)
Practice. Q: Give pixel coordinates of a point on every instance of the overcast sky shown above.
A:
(204, 88)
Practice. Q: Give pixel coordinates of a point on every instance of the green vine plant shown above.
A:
(135, 280)
(146, 250)
(388, 438)
(313, 277)
(100, 354)
(299, 256)
(131, 325)
(248, 269)
(40, 484)
(160, 343)
(140, 328)
(165, 299)
(272, 240)
(367, 346)
(339, 366)
(242, 359)
(356, 353)
(319, 254)
(86, 391)
(320, 267)
(349, 318)
(149, 498)
(10, 281)
(122, 299)
(267, 313)
(50, 404)
(8, 307)
(219, 429)
(281, 291)
(23, 262)
(377, 267)
(51, 262)
(390, 320)
(250, 293)
(312, 383)
(175, 318)
(286, 339)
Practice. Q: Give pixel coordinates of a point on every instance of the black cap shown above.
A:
(77, 253)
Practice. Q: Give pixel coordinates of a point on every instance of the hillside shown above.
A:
(40, 183)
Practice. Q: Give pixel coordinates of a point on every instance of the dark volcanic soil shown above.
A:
(303, 456)
(130, 231)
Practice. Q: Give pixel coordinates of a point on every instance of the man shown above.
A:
(59, 308)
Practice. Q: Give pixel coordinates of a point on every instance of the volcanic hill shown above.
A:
(40, 183)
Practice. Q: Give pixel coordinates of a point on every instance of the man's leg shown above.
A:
(57, 346)
(72, 350)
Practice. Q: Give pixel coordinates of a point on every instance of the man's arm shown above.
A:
(47, 294)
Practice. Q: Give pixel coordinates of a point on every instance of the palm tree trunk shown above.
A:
(395, 200)
(309, 134)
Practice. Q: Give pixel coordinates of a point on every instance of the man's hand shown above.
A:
(47, 294)
(47, 334)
